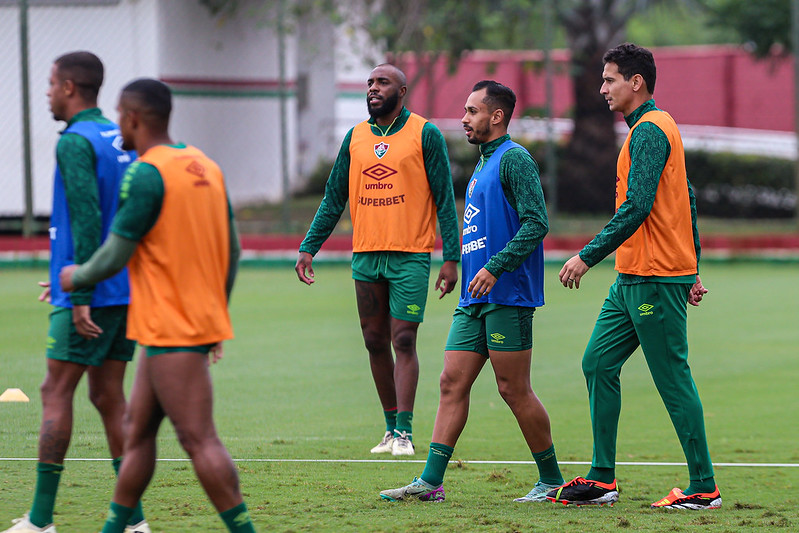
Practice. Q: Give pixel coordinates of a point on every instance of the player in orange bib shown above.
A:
(394, 171)
(657, 248)
(175, 230)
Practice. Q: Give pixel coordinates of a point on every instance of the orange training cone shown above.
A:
(14, 395)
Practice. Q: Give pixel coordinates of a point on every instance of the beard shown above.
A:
(388, 105)
(127, 144)
(478, 135)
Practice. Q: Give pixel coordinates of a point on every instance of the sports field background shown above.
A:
(296, 406)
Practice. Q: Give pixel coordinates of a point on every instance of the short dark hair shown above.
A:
(85, 70)
(498, 96)
(631, 60)
(153, 98)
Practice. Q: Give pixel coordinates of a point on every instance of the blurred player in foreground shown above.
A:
(88, 327)
(176, 231)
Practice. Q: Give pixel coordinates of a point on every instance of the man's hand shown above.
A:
(482, 283)
(82, 318)
(45, 295)
(65, 278)
(696, 293)
(304, 268)
(447, 278)
(216, 352)
(572, 271)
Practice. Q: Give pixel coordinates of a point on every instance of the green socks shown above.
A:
(603, 475)
(404, 425)
(607, 475)
(138, 514)
(237, 519)
(548, 469)
(701, 485)
(47, 477)
(118, 516)
(391, 420)
(437, 460)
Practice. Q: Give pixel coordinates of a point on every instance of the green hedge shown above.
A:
(726, 185)
(742, 186)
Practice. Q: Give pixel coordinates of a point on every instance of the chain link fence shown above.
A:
(264, 122)
(115, 30)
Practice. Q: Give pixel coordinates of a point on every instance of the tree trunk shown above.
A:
(587, 174)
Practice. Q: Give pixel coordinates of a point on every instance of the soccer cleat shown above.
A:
(581, 491)
(141, 527)
(384, 446)
(538, 493)
(402, 445)
(701, 500)
(418, 489)
(24, 525)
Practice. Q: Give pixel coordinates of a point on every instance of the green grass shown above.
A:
(295, 384)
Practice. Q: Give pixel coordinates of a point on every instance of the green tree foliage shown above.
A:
(677, 24)
(765, 25)
(268, 13)
(220, 7)
(429, 30)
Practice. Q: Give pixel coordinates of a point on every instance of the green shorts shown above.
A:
(158, 350)
(64, 343)
(407, 275)
(482, 328)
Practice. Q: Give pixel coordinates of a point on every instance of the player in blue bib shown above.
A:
(504, 224)
(87, 332)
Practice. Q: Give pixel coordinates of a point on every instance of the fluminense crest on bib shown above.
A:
(471, 186)
(380, 149)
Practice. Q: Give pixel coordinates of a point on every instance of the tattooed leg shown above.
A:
(57, 391)
(373, 310)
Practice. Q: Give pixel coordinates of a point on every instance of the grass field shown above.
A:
(296, 407)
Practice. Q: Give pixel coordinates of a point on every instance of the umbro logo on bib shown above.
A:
(470, 212)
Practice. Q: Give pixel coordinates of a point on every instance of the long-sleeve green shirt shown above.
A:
(436, 164)
(649, 151)
(78, 165)
(518, 175)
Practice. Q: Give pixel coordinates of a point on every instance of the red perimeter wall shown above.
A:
(703, 85)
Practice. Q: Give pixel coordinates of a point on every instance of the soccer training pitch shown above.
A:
(296, 407)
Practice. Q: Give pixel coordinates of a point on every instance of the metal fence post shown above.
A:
(28, 228)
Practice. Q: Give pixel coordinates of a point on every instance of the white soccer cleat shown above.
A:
(402, 445)
(24, 525)
(418, 489)
(141, 527)
(538, 493)
(384, 446)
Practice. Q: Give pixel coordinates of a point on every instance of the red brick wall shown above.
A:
(705, 85)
